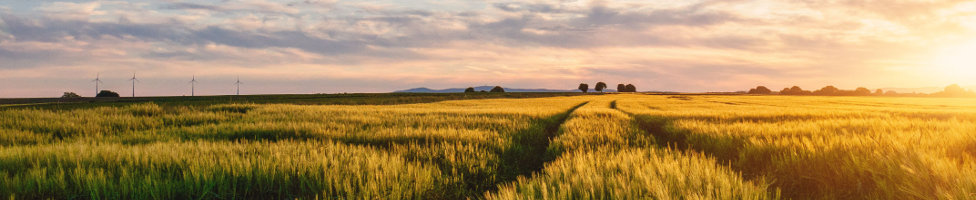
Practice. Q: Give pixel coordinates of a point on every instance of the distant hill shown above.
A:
(485, 88)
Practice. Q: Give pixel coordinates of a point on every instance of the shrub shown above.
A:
(498, 89)
(70, 95)
(107, 93)
(760, 90)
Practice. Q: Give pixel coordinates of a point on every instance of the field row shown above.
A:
(593, 147)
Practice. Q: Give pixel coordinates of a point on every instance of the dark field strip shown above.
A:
(530, 154)
(600, 153)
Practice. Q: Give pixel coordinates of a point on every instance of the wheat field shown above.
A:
(611, 146)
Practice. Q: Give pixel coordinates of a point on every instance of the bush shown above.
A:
(954, 91)
(631, 88)
(469, 90)
(107, 93)
(862, 91)
(760, 90)
(795, 90)
(827, 91)
(70, 95)
(498, 89)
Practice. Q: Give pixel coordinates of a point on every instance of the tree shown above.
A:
(800, 91)
(621, 88)
(600, 86)
(795, 90)
(760, 90)
(862, 91)
(584, 87)
(631, 88)
(70, 95)
(878, 92)
(107, 93)
(954, 90)
(498, 89)
(785, 91)
(469, 90)
(827, 91)
(763, 90)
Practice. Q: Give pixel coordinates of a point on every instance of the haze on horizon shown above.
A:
(308, 46)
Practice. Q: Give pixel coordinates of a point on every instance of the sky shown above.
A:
(330, 46)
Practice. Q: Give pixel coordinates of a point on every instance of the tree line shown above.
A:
(600, 86)
(494, 89)
(103, 93)
(950, 91)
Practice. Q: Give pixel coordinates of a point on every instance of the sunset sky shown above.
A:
(49, 47)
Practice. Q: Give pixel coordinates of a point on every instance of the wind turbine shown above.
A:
(238, 83)
(133, 79)
(193, 85)
(97, 81)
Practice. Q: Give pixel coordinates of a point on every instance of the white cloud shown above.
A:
(69, 10)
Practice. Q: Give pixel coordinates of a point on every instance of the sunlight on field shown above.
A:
(617, 146)
(829, 147)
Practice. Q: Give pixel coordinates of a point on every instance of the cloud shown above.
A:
(69, 10)
(190, 6)
(667, 45)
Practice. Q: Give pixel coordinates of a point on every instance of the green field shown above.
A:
(495, 146)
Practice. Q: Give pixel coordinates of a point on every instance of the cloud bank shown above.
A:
(48, 47)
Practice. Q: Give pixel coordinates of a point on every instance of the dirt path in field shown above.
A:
(528, 153)
(655, 126)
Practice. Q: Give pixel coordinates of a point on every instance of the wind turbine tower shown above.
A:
(133, 79)
(97, 81)
(238, 83)
(193, 86)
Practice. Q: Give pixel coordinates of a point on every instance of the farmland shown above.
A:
(613, 146)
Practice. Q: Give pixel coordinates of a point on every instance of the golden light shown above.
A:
(957, 62)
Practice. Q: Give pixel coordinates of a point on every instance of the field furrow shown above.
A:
(603, 155)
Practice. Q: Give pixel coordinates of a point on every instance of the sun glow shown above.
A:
(958, 62)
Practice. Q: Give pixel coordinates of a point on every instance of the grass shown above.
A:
(226, 170)
(447, 150)
(410, 146)
(601, 154)
(633, 173)
(828, 147)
